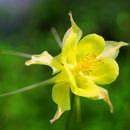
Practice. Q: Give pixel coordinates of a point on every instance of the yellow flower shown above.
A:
(82, 67)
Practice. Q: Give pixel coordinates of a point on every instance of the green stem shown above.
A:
(74, 120)
(43, 83)
(77, 99)
(70, 114)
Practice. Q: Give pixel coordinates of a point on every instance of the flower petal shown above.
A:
(112, 49)
(85, 87)
(91, 44)
(70, 40)
(105, 71)
(45, 59)
(61, 96)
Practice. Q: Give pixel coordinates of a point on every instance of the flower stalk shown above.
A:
(17, 54)
(78, 111)
(43, 83)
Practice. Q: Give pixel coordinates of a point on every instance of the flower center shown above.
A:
(87, 64)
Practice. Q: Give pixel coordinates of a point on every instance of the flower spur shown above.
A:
(82, 66)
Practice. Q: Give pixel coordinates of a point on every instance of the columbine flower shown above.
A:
(82, 67)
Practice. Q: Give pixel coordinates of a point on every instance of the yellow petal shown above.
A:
(45, 59)
(112, 49)
(70, 41)
(85, 87)
(91, 44)
(105, 71)
(61, 96)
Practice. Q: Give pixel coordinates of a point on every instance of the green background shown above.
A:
(29, 32)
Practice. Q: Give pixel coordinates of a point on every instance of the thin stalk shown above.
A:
(17, 53)
(43, 83)
(77, 100)
(55, 34)
(70, 114)
(73, 120)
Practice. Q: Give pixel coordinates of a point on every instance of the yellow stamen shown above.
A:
(87, 64)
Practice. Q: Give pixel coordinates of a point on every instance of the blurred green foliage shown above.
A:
(30, 33)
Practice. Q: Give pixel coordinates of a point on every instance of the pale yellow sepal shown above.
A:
(45, 59)
(112, 49)
(70, 40)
